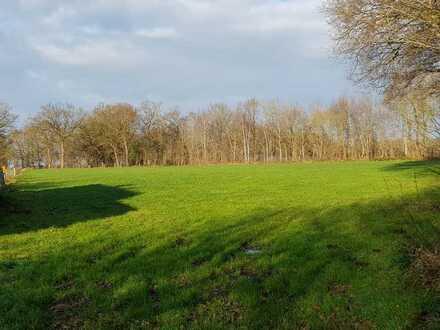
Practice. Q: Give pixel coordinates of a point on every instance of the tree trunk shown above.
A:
(145, 157)
(280, 149)
(115, 153)
(126, 152)
(62, 154)
(49, 158)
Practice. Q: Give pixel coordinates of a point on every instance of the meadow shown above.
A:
(285, 246)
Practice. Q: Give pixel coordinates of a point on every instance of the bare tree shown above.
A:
(419, 115)
(7, 120)
(61, 121)
(150, 115)
(116, 126)
(395, 44)
(248, 119)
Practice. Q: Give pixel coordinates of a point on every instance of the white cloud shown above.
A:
(91, 30)
(110, 54)
(58, 16)
(129, 49)
(34, 75)
(27, 4)
(201, 7)
(286, 16)
(157, 33)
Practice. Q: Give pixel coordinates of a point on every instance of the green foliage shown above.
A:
(142, 248)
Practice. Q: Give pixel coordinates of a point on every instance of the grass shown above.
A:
(302, 246)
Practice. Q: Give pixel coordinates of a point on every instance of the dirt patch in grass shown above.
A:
(198, 262)
(337, 320)
(249, 272)
(425, 270)
(346, 315)
(426, 267)
(154, 296)
(339, 289)
(250, 248)
(181, 242)
(361, 263)
(65, 284)
(105, 285)
(65, 312)
(427, 320)
(222, 310)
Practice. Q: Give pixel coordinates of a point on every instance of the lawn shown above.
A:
(290, 246)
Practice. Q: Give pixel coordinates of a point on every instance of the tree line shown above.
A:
(62, 135)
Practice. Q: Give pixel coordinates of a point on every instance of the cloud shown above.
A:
(187, 52)
(298, 16)
(37, 76)
(59, 16)
(158, 33)
(92, 53)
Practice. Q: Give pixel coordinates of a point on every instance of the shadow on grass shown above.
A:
(35, 207)
(335, 268)
(427, 167)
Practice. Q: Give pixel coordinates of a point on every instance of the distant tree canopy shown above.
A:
(58, 122)
(394, 44)
(7, 120)
(121, 134)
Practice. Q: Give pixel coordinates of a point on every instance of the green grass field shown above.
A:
(292, 246)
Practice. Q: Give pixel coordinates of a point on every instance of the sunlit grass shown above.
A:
(169, 247)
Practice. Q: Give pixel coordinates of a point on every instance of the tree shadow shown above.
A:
(318, 268)
(39, 206)
(424, 167)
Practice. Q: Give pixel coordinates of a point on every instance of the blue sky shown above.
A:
(180, 52)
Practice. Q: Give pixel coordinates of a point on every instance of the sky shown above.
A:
(180, 52)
